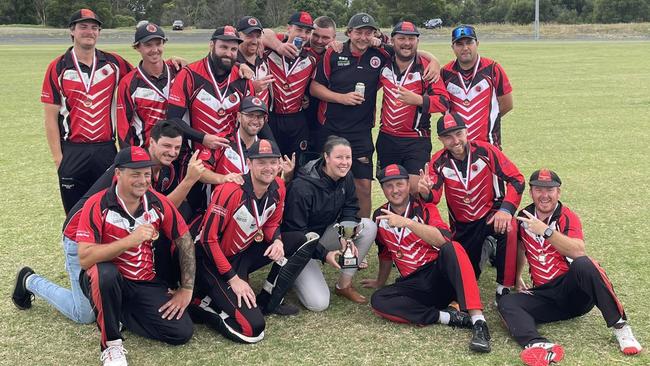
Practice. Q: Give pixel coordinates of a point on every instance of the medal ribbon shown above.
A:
(258, 218)
(464, 182)
(88, 84)
(462, 82)
(220, 96)
(399, 232)
(240, 152)
(145, 206)
(400, 83)
(287, 73)
(163, 94)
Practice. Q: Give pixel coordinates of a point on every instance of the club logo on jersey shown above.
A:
(409, 77)
(375, 62)
(232, 98)
(303, 145)
(474, 168)
(151, 28)
(478, 89)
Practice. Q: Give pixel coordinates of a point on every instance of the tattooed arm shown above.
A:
(175, 307)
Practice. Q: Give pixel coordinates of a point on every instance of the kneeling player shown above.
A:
(566, 282)
(434, 270)
(240, 234)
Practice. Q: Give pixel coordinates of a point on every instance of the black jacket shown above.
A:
(314, 201)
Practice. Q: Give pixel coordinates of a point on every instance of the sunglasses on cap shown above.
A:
(462, 32)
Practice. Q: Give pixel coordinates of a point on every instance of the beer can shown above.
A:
(297, 41)
(360, 88)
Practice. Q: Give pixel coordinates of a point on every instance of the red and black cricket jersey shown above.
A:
(261, 69)
(404, 120)
(209, 109)
(85, 116)
(103, 220)
(226, 160)
(544, 261)
(340, 72)
(292, 78)
(141, 103)
(473, 94)
(235, 215)
(475, 190)
(407, 250)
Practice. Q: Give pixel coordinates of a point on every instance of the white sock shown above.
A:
(444, 318)
(476, 318)
(500, 289)
(115, 342)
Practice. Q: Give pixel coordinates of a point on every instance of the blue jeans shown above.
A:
(70, 302)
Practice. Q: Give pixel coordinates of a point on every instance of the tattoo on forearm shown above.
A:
(187, 260)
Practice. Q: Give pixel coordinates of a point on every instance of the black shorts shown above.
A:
(410, 152)
(290, 132)
(362, 150)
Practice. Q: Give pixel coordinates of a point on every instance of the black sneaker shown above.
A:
(283, 309)
(22, 297)
(458, 319)
(480, 337)
(498, 296)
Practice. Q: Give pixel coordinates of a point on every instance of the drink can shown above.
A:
(297, 41)
(360, 88)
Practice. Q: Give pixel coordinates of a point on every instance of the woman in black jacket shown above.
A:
(320, 196)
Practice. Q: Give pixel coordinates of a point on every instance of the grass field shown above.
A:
(581, 108)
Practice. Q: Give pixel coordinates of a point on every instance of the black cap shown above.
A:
(84, 14)
(252, 103)
(544, 178)
(393, 171)
(133, 157)
(248, 24)
(450, 122)
(463, 31)
(264, 149)
(147, 32)
(362, 20)
(405, 27)
(226, 33)
(302, 19)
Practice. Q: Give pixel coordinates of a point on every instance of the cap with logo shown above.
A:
(393, 171)
(133, 157)
(450, 122)
(302, 19)
(252, 103)
(82, 15)
(405, 27)
(226, 33)
(362, 20)
(463, 31)
(147, 32)
(264, 149)
(248, 24)
(544, 178)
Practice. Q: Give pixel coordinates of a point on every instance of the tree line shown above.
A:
(273, 13)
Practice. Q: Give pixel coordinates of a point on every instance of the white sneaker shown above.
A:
(114, 354)
(626, 341)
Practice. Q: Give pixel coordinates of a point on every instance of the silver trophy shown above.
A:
(349, 231)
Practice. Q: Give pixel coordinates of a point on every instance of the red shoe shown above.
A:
(542, 354)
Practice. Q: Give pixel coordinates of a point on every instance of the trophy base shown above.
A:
(348, 262)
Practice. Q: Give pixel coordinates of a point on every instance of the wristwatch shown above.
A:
(548, 232)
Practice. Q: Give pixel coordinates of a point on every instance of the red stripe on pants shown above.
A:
(609, 286)
(93, 273)
(470, 286)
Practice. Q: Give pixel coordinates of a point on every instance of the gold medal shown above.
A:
(259, 236)
(221, 112)
(466, 199)
(466, 102)
(155, 235)
(542, 259)
(88, 103)
(399, 254)
(286, 86)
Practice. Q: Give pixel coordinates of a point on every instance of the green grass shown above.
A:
(581, 108)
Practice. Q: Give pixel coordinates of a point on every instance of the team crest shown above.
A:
(409, 77)
(365, 19)
(232, 98)
(257, 101)
(252, 21)
(474, 168)
(151, 28)
(478, 88)
(375, 62)
(303, 145)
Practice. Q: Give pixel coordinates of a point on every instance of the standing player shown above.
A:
(433, 269)
(117, 229)
(207, 93)
(165, 142)
(292, 77)
(78, 95)
(479, 89)
(240, 234)
(472, 174)
(250, 31)
(566, 282)
(345, 112)
(408, 101)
